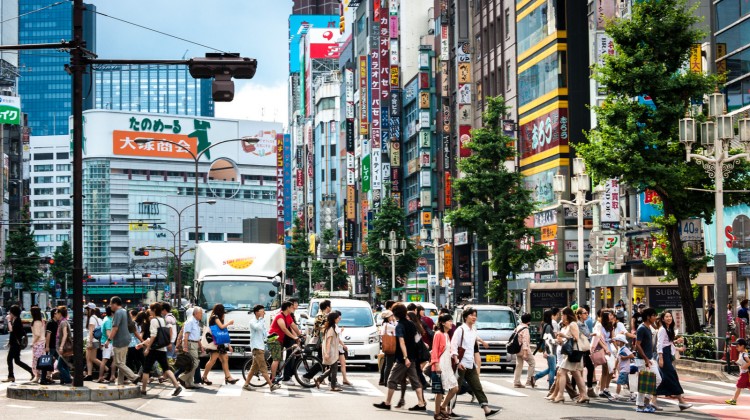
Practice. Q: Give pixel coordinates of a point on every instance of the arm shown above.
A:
(282, 324)
(438, 346)
(455, 341)
(402, 343)
(222, 325)
(47, 335)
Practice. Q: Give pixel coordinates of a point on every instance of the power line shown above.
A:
(160, 32)
(37, 10)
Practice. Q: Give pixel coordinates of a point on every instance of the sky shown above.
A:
(254, 28)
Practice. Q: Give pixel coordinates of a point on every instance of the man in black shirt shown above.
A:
(50, 346)
(644, 353)
(405, 360)
(14, 344)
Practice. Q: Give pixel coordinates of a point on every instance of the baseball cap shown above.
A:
(386, 314)
(91, 305)
(621, 338)
(741, 342)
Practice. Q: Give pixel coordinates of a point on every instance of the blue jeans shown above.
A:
(64, 369)
(551, 370)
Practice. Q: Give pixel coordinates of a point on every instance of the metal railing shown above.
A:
(708, 348)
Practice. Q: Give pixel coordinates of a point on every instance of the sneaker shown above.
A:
(382, 406)
(656, 408)
(519, 386)
(633, 397)
(731, 402)
(247, 387)
(647, 409)
(274, 387)
(177, 391)
(289, 383)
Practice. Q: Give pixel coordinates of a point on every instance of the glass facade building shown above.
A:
(163, 89)
(44, 86)
(733, 50)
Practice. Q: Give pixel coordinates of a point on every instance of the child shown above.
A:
(744, 363)
(624, 356)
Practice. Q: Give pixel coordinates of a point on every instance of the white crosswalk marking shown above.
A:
(281, 392)
(323, 392)
(364, 387)
(724, 384)
(493, 388)
(229, 391)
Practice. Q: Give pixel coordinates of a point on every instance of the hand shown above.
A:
(408, 362)
(648, 364)
(346, 348)
(461, 366)
(46, 349)
(230, 348)
(231, 322)
(485, 345)
(184, 348)
(439, 371)
(146, 351)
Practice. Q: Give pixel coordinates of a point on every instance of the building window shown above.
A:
(62, 237)
(44, 156)
(508, 79)
(42, 179)
(234, 237)
(43, 203)
(64, 202)
(63, 167)
(44, 168)
(63, 155)
(541, 78)
(534, 27)
(44, 191)
(191, 236)
(507, 24)
(62, 190)
(43, 215)
(63, 214)
(63, 179)
(216, 237)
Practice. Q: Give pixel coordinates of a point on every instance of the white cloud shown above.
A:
(256, 102)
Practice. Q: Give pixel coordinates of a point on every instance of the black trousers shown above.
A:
(589, 369)
(289, 366)
(14, 355)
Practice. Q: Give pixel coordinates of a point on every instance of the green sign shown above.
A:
(10, 110)
(366, 174)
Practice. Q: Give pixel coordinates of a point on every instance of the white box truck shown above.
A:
(239, 276)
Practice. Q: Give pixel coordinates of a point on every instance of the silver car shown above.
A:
(495, 325)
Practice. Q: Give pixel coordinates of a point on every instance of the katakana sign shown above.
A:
(10, 110)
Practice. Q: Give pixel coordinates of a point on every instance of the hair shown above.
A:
(581, 311)
(414, 318)
(648, 312)
(442, 319)
(142, 319)
(568, 316)
(116, 300)
(743, 303)
(325, 305)
(526, 318)
(389, 304)
(36, 314)
(547, 317)
(156, 308)
(258, 308)
(606, 322)
(218, 311)
(670, 328)
(52, 313)
(293, 300)
(331, 320)
(420, 308)
(98, 312)
(411, 307)
(15, 310)
(586, 307)
(469, 310)
(89, 312)
(284, 305)
(165, 306)
(134, 312)
(108, 310)
(399, 310)
(555, 311)
(444, 311)
(62, 310)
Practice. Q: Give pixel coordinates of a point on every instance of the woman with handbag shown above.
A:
(568, 338)
(585, 346)
(665, 339)
(156, 340)
(549, 345)
(37, 342)
(64, 345)
(222, 350)
(388, 342)
(601, 350)
(443, 379)
(92, 343)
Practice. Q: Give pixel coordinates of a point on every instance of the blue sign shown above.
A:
(421, 269)
(647, 211)
(296, 28)
(735, 233)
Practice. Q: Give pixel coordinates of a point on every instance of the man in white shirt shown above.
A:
(556, 315)
(465, 337)
(191, 344)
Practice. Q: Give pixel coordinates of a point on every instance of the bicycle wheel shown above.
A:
(256, 380)
(305, 369)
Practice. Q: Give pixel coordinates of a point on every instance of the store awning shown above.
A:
(609, 280)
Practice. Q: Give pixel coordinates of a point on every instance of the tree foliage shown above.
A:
(21, 253)
(638, 142)
(62, 269)
(493, 201)
(389, 218)
(298, 251)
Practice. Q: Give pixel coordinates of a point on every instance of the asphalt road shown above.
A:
(230, 401)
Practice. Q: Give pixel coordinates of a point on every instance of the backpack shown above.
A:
(98, 330)
(514, 346)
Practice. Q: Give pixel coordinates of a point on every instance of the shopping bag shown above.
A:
(646, 382)
(45, 362)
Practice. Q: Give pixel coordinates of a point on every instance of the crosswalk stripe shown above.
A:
(724, 384)
(321, 392)
(703, 386)
(694, 393)
(364, 387)
(281, 392)
(499, 389)
(229, 391)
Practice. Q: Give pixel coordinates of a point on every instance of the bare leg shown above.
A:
(225, 365)
(438, 403)
(210, 364)
(581, 385)
(274, 368)
(445, 406)
(102, 369)
(342, 367)
(562, 380)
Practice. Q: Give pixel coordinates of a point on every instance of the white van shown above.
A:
(360, 334)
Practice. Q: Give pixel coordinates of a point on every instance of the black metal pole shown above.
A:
(78, 67)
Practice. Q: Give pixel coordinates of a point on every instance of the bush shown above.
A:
(700, 346)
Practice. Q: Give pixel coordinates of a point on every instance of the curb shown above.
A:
(59, 393)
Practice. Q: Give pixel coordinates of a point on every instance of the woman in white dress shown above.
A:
(570, 332)
(442, 368)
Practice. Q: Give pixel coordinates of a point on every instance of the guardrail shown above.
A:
(708, 348)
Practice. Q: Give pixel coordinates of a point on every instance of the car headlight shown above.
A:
(373, 338)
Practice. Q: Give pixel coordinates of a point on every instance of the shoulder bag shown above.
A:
(583, 342)
(221, 335)
(162, 338)
(45, 362)
(207, 339)
(67, 345)
(389, 344)
(461, 351)
(597, 352)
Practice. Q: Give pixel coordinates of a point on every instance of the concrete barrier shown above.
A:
(35, 392)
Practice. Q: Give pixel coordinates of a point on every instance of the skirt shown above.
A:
(570, 365)
(670, 383)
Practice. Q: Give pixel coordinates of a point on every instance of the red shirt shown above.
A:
(275, 327)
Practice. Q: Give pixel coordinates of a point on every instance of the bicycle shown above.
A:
(304, 362)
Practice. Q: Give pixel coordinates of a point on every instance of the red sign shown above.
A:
(280, 188)
(464, 137)
(651, 197)
(545, 132)
(448, 189)
(300, 178)
(322, 43)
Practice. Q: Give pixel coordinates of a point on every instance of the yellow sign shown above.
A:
(424, 100)
(696, 59)
(464, 72)
(138, 227)
(721, 51)
(609, 292)
(639, 292)
(311, 238)
(448, 261)
(549, 233)
(426, 218)
(240, 263)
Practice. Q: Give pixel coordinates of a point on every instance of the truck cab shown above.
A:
(495, 325)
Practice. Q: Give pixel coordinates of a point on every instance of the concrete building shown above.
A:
(9, 31)
(316, 7)
(733, 50)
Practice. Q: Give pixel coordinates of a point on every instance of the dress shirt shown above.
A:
(192, 330)
(662, 340)
(465, 337)
(258, 334)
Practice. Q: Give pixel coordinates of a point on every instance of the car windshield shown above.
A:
(488, 319)
(355, 317)
(235, 294)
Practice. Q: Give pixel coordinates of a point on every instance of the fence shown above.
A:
(707, 348)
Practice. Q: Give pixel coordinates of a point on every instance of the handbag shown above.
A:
(24, 342)
(610, 362)
(389, 344)
(221, 335)
(67, 345)
(183, 362)
(461, 352)
(424, 352)
(568, 349)
(162, 338)
(45, 362)
(583, 343)
(646, 382)
(207, 339)
(598, 358)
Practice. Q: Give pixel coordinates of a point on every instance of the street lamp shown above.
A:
(436, 246)
(179, 237)
(196, 158)
(580, 184)
(392, 246)
(332, 261)
(308, 268)
(717, 162)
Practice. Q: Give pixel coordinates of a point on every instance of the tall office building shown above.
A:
(44, 86)
(316, 7)
(733, 50)
(162, 89)
(9, 30)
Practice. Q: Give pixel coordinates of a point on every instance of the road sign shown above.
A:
(421, 269)
(19, 286)
(743, 257)
(745, 271)
(422, 261)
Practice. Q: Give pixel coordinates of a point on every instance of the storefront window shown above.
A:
(534, 27)
(543, 77)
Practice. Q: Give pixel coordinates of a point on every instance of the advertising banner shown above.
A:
(545, 132)
(605, 10)
(10, 110)
(448, 189)
(610, 204)
(464, 137)
(376, 173)
(735, 233)
(322, 43)
(366, 174)
(364, 71)
(351, 203)
(280, 189)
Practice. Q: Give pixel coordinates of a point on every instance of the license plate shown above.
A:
(493, 358)
(351, 353)
(238, 350)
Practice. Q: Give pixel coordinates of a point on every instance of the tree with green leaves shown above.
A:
(298, 252)
(322, 271)
(389, 218)
(21, 252)
(62, 269)
(493, 202)
(637, 141)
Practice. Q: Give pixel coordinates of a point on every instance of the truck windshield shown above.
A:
(495, 320)
(234, 294)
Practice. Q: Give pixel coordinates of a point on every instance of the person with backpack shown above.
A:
(548, 344)
(156, 339)
(743, 361)
(15, 344)
(520, 345)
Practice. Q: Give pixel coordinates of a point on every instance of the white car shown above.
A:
(359, 332)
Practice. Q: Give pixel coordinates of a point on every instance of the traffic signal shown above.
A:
(46, 260)
(140, 252)
(222, 68)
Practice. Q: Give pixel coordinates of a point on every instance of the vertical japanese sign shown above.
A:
(448, 261)
(364, 71)
(287, 182)
(365, 167)
(280, 188)
(610, 205)
(696, 59)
